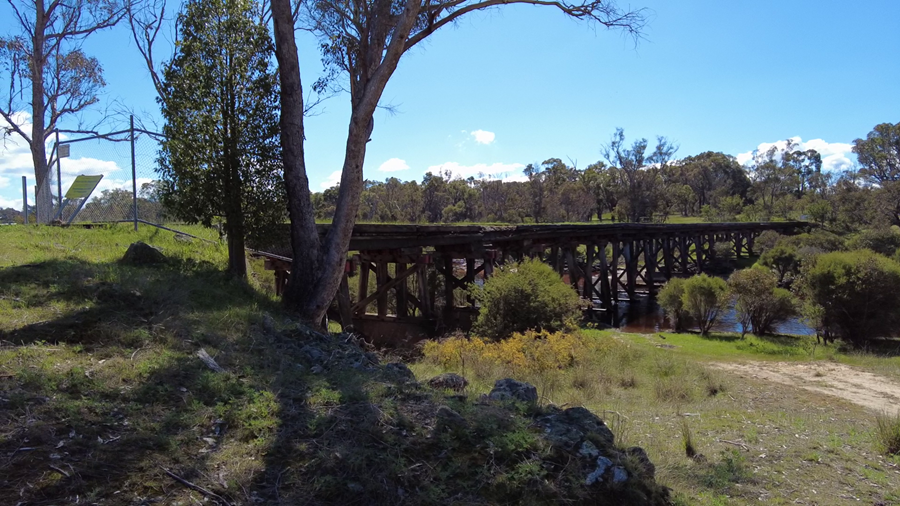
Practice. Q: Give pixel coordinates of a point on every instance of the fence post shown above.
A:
(59, 195)
(25, 198)
(133, 177)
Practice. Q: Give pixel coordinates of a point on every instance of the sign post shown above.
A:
(81, 189)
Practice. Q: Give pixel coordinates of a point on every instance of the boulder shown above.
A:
(140, 253)
(508, 389)
(568, 429)
(399, 371)
(448, 419)
(449, 381)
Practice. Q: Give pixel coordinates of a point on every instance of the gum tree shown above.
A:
(46, 77)
(363, 42)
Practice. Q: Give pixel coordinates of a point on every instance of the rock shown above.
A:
(268, 323)
(314, 354)
(569, 429)
(596, 475)
(509, 389)
(399, 371)
(589, 450)
(588, 422)
(449, 381)
(641, 457)
(140, 253)
(183, 238)
(448, 419)
(616, 474)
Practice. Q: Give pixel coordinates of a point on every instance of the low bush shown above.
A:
(524, 296)
(853, 294)
(669, 299)
(887, 433)
(759, 303)
(783, 259)
(704, 298)
(767, 240)
(885, 241)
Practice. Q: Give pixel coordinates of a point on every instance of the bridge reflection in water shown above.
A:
(410, 280)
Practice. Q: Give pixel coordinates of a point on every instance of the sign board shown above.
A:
(64, 150)
(82, 187)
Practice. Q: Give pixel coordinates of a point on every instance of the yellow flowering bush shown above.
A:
(529, 351)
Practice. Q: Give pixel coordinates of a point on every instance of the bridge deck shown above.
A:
(370, 237)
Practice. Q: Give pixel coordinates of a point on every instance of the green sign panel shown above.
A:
(82, 187)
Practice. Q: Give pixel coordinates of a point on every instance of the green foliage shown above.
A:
(887, 432)
(670, 299)
(884, 240)
(767, 240)
(783, 259)
(704, 298)
(854, 294)
(221, 154)
(759, 303)
(523, 296)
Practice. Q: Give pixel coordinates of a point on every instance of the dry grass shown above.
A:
(760, 441)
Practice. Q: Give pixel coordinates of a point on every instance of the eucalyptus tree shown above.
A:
(639, 172)
(45, 75)
(363, 42)
(221, 153)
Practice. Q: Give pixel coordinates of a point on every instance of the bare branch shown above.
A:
(13, 127)
(599, 11)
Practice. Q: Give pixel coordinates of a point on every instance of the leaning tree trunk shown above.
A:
(318, 264)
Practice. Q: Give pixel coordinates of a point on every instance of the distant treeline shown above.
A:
(634, 187)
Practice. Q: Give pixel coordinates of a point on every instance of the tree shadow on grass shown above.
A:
(99, 400)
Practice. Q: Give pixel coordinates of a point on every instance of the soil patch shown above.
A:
(838, 380)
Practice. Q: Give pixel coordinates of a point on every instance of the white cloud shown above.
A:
(503, 171)
(483, 136)
(4, 182)
(13, 203)
(836, 156)
(333, 179)
(394, 165)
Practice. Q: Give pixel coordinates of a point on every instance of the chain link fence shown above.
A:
(128, 191)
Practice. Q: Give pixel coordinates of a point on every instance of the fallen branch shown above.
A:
(204, 356)
(735, 443)
(58, 470)
(198, 488)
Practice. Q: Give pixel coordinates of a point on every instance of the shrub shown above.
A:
(783, 259)
(885, 241)
(704, 297)
(523, 296)
(767, 240)
(759, 303)
(887, 433)
(669, 299)
(854, 294)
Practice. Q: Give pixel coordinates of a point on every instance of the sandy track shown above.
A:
(865, 389)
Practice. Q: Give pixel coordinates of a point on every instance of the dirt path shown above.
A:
(865, 389)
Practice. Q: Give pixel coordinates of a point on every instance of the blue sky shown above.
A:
(520, 84)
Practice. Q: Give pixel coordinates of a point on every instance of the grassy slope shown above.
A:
(102, 394)
(799, 447)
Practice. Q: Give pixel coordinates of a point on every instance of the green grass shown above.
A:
(751, 440)
(102, 393)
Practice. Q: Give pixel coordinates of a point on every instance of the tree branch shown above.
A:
(596, 10)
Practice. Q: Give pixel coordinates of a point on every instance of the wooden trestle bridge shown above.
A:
(411, 280)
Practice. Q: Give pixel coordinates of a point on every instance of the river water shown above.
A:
(644, 316)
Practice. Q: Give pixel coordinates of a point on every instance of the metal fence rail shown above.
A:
(128, 192)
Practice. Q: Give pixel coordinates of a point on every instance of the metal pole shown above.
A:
(133, 177)
(58, 173)
(25, 198)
